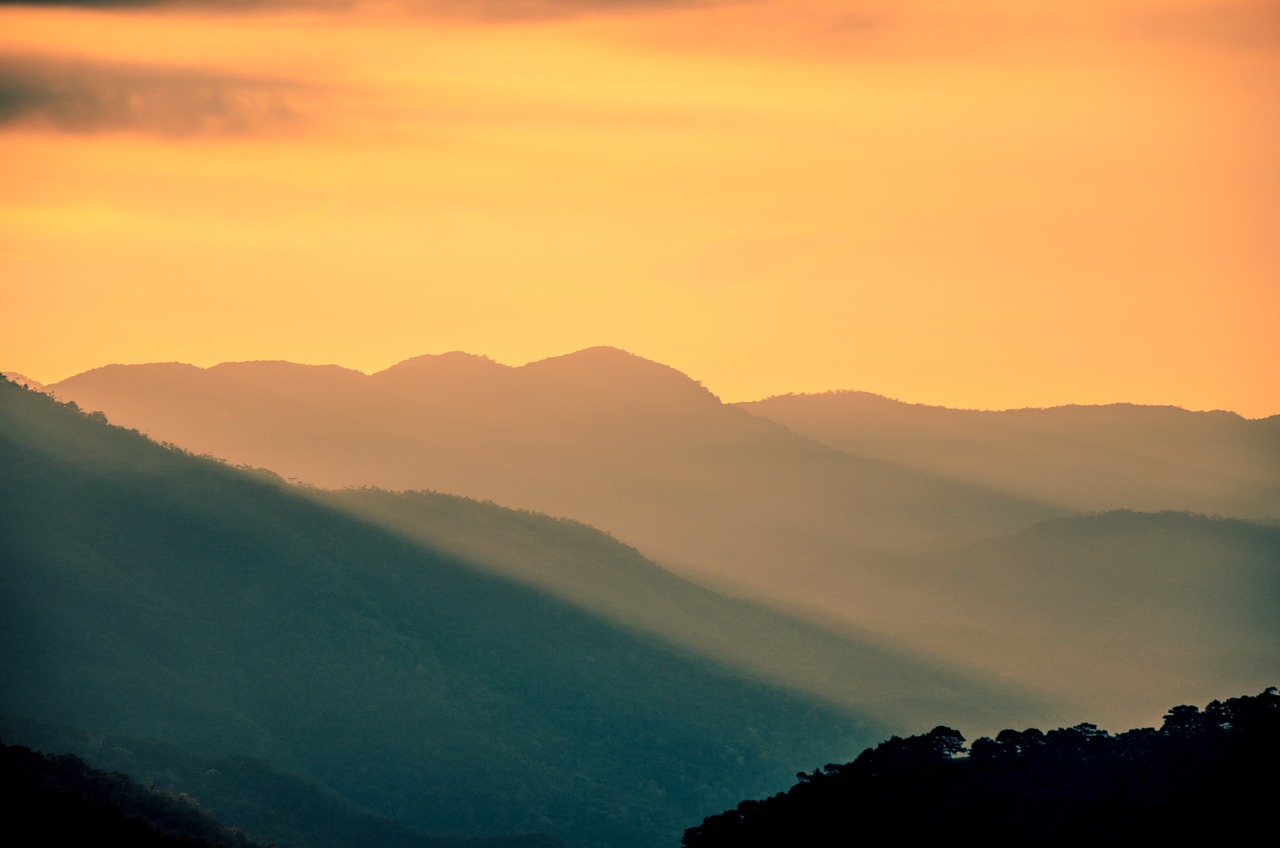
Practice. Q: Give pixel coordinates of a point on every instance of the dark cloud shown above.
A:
(80, 96)
(539, 9)
(485, 9)
(1240, 24)
(227, 5)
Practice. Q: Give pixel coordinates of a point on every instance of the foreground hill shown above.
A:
(1202, 778)
(627, 445)
(154, 594)
(61, 800)
(1086, 458)
(259, 798)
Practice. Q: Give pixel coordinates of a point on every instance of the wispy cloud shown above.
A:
(484, 9)
(84, 96)
(1241, 24)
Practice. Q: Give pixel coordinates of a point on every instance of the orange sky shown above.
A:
(985, 204)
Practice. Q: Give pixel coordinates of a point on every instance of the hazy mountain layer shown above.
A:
(1123, 611)
(1084, 457)
(155, 594)
(592, 570)
(601, 436)
(746, 504)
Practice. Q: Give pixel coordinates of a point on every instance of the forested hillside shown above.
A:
(155, 594)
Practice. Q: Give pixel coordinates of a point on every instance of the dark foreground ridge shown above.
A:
(1204, 775)
(63, 801)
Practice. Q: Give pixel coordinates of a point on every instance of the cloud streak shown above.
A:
(82, 96)
(491, 10)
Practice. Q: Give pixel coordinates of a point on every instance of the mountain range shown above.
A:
(623, 444)
(846, 510)
(150, 593)
(590, 575)
(1083, 458)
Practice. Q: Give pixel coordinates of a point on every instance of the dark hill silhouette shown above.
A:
(1205, 777)
(21, 380)
(275, 808)
(1120, 456)
(602, 436)
(148, 592)
(62, 801)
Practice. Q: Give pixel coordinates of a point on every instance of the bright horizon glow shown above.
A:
(996, 207)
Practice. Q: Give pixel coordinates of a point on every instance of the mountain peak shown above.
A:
(454, 361)
(435, 372)
(613, 371)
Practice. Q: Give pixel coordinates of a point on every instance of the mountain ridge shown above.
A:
(150, 592)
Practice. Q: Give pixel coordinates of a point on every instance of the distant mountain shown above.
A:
(151, 593)
(1091, 458)
(894, 548)
(602, 436)
(1123, 611)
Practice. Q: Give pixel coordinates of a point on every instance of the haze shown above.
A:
(991, 207)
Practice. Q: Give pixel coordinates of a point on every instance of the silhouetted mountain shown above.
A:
(1202, 778)
(602, 436)
(62, 801)
(1119, 456)
(596, 572)
(19, 379)
(263, 802)
(152, 593)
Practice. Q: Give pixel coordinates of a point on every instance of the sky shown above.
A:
(987, 204)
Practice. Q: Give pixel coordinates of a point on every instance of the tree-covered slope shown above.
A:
(266, 804)
(151, 593)
(60, 800)
(590, 569)
(1205, 777)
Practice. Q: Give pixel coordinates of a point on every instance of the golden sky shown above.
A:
(987, 204)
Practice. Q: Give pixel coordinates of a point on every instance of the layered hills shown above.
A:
(151, 593)
(1115, 610)
(592, 570)
(890, 530)
(618, 442)
(1084, 458)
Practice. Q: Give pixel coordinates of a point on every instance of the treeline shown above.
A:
(1204, 775)
(60, 800)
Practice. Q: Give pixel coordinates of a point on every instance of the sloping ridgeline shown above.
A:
(155, 594)
(1205, 777)
(60, 800)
